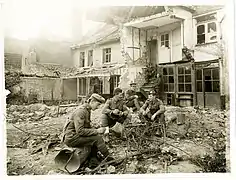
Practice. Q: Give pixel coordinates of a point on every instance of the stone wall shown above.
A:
(44, 88)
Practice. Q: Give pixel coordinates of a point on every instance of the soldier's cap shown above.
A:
(97, 97)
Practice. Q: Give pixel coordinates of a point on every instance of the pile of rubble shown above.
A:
(34, 112)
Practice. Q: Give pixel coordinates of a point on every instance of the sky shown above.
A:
(29, 18)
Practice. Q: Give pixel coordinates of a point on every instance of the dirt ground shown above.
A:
(26, 132)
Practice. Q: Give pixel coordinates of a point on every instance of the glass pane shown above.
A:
(166, 87)
(162, 37)
(171, 79)
(201, 39)
(181, 87)
(187, 78)
(162, 43)
(171, 87)
(166, 36)
(187, 70)
(188, 88)
(180, 70)
(199, 86)
(207, 74)
(199, 74)
(216, 86)
(164, 71)
(211, 27)
(166, 43)
(180, 79)
(201, 29)
(171, 71)
(165, 79)
(215, 74)
(208, 86)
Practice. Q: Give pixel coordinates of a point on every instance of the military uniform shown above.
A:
(110, 119)
(153, 104)
(78, 131)
(132, 102)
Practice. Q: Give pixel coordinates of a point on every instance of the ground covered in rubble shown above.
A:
(198, 144)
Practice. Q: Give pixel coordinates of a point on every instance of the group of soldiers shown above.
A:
(118, 109)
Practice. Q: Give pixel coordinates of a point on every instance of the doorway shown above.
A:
(208, 87)
(152, 51)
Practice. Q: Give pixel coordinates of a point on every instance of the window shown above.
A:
(165, 40)
(90, 58)
(82, 86)
(210, 77)
(184, 79)
(168, 76)
(206, 29)
(199, 80)
(82, 59)
(106, 55)
(212, 83)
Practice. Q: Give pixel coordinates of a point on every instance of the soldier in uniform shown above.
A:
(131, 100)
(114, 111)
(78, 131)
(153, 110)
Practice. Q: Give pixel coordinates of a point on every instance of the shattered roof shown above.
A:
(205, 9)
(104, 34)
(123, 13)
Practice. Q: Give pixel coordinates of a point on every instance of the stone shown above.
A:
(15, 113)
(13, 108)
(46, 118)
(131, 168)
(30, 114)
(111, 170)
(39, 113)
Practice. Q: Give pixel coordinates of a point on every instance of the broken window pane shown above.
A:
(171, 79)
(199, 74)
(216, 86)
(211, 27)
(171, 87)
(180, 70)
(215, 74)
(188, 88)
(164, 71)
(208, 86)
(171, 71)
(199, 86)
(181, 87)
(187, 78)
(180, 79)
(187, 70)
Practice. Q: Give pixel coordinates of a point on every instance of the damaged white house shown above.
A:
(184, 43)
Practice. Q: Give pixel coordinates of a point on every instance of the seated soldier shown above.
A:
(114, 111)
(131, 101)
(78, 131)
(153, 110)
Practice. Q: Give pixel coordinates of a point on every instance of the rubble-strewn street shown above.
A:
(33, 133)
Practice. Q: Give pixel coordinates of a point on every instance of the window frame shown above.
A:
(206, 33)
(184, 83)
(163, 43)
(82, 89)
(167, 76)
(106, 54)
(82, 61)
